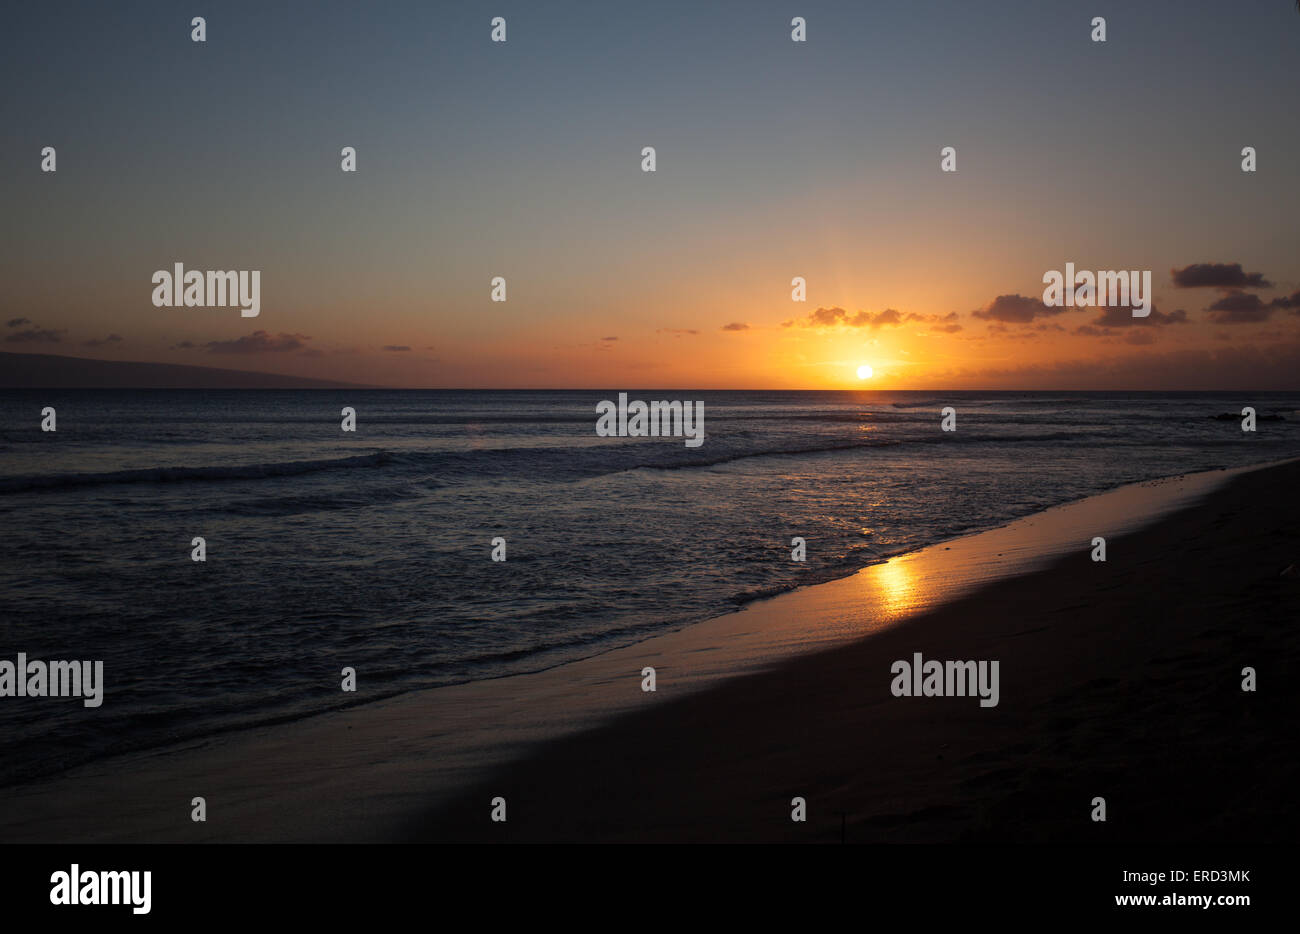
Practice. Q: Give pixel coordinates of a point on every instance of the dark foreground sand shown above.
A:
(1120, 680)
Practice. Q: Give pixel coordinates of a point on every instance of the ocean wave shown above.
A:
(556, 464)
(931, 403)
(772, 452)
(30, 483)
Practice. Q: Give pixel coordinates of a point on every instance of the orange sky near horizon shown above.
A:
(779, 345)
(740, 340)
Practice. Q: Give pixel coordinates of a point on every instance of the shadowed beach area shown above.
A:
(1119, 679)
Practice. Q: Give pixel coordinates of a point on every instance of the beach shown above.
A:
(1120, 679)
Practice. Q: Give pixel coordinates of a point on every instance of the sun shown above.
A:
(864, 372)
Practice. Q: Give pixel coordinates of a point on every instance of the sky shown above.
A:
(774, 159)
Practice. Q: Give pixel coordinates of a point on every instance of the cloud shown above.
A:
(609, 338)
(35, 336)
(1239, 308)
(1121, 316)
(736, 326)
(1139, 337)
(1291, 302)
(98, 342)
(836, 317)
(17, 322)
(184, 345)
(935, 324)
(821, 318)
(259, 342)
(946, 324)
(1217, 276)
(889, 317)
(397, 348)
(678, 331)
(1016, 309)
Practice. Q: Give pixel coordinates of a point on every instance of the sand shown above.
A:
(1119, 679)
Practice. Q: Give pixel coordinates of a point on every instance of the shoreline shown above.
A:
(416, 752)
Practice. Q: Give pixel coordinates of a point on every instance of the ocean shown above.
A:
(372, 549)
